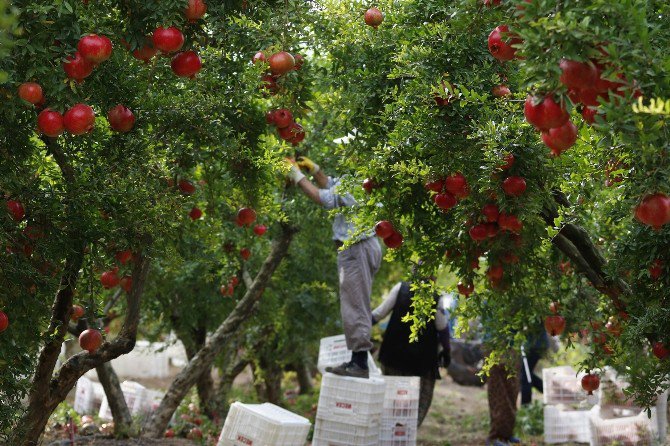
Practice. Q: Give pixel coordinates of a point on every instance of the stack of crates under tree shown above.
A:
(401, 411)
(263, 425)
(617, 420)
(88, 396)
(349, 411)
(567, 406)
(135, 396)
(333, 351)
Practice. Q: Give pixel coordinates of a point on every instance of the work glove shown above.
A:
(445, 358)
(306, 163)
(294, 173)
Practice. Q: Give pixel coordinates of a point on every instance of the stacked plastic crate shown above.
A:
(617, 420)
(88, 396)
(567, 407)
(135, 396)
(333, 351)
(263, 425)
(349, 411)
(400, 412)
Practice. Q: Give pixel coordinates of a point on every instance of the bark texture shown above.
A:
(188, 377)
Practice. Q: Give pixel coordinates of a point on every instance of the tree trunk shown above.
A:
(234, 368)
(156, 425)
(205, 383)
(123, 421)
(272, 377)
(304, 378)
(48, 391)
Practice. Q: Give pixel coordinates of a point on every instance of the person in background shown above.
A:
(532, 352)
(400, 357)
(356, 265)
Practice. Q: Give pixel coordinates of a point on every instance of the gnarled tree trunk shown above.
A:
(205, 384)
(188, 377)
(123, 421)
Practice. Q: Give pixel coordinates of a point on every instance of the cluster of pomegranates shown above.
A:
(287, 128)
(279, 64)
(110, 278)
(92, 50)
(388, 233)
(188, 188)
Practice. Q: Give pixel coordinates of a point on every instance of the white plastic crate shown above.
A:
(88, 396)
(151, 400)
(634, 430)
(335, 433)
(401, 399)
(354, 401)
(333, 351)
(263, 425)
(563, 385)
(562, 426)
(135, 396)
(398, 432)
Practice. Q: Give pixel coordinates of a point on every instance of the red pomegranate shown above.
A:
(514, 186)
(509, 222)
(195, 10)
(16, 209)
(654, 210)
(90, 340)
(282, 118)
(79, 119)
(495, 273)
(554, 307)
(291, 132)
(110, 279)
(503, 49)
(168, 40)
(510, 258)
(126, 283)
(145, 52)
(577, 75)
(121, 119)
(561, 138)
(281, 63)
(554, 324)
(269, 83)
(492, 3)
(259, 57)
(186, 64)
(465, 289)
(50, 123)
(501, 91)
(77, 68)
(457, 185)
(509, 161)
(246, 216)
(299, 61)
(369, 184)
(124, 257)
(491, 212)
(545, 113)
(245, 253)
(394, 240)
(195, 213)
(656, 269)
(259, 230)
(445, 200)
(4, 321)
(94, 48)
(478, 233)
(659, 349)
(435, 185)
(384, 229)
(373, 17)
(77, 312)
(186, 187)
(590, 383)
(31, 92)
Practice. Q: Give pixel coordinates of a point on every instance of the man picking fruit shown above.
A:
(357, 265)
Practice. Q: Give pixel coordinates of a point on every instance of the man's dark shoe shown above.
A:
(349, 369)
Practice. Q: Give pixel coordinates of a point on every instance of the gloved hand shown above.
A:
(306, 163)
(294, 173)
(445, 358)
